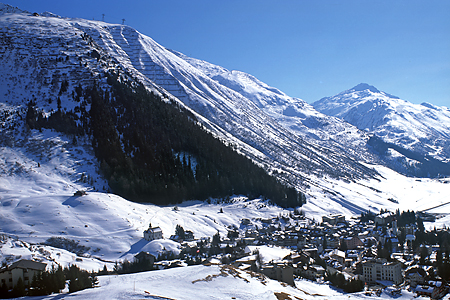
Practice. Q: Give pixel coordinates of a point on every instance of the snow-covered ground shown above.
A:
(211, 282)
(37, 185)
(390, 191)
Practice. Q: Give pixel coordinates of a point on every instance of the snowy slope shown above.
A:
(38, 179)
(210, 282)
(423, 128)
(227, 111)
(37, 202)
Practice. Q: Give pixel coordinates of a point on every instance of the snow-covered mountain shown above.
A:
(40, 52)
(285, 135)
(292, 113)
(423, 129)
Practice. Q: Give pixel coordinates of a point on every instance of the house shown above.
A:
(434, 290)
(338, 255)
(24, 269)
(353, 242)
(279, 271)
(415, 277)
(145, 256)
(384, 219)
(333, 219)
(188, 235)
(153, 233)
(311, 272)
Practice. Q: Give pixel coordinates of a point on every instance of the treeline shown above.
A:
(151, 149)
(53, 281)
(59, 120)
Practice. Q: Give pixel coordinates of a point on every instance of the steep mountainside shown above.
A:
(150, 147)
(410, 131)
(40, 52)
(292, 113)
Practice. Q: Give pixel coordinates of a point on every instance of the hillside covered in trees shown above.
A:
(151, 149)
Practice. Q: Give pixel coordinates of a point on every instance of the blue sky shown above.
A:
(308, 49)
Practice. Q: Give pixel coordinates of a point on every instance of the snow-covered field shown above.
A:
(37, 202)
(391, 191)
(210, 282)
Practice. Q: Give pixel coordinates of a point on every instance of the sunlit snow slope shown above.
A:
(212, 282)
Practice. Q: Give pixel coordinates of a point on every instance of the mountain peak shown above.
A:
(6, 8)
(363, 87)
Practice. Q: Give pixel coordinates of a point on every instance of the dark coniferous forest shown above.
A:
(153, 150)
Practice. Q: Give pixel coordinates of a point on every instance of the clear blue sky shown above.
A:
(308, 49)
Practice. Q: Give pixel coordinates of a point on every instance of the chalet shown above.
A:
(311, 272)
(337, 255)
(24, 269)
(188, 235)
(153, 233)
(142, 256)
(415, 276)
(434, 290)
(384, 218)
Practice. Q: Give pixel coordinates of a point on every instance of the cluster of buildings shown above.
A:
(335, 245)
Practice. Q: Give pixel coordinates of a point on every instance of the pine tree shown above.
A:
(19, 289)
(179, 231)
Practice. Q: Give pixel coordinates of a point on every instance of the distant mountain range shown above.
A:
(409, 132)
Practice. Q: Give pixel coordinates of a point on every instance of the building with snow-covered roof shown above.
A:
(279, 271)
(434, 290)
(353, 242)
(333, 219)
(153, 233)
(337, 255)
(384, 219)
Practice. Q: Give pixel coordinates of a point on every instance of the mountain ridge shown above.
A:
(421, 128)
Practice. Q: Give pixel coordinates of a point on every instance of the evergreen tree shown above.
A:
(4, 292)
(179, 231)
(216, 239)
(19, 289)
